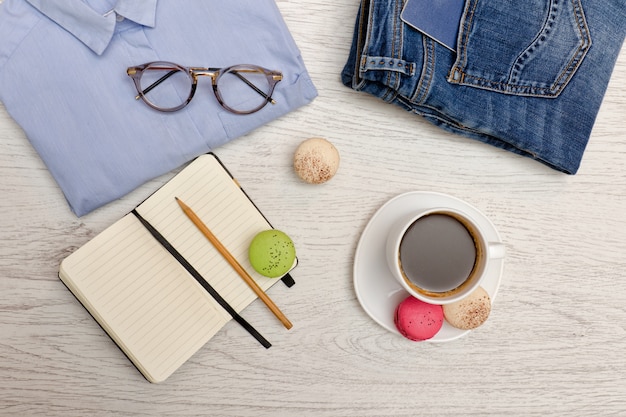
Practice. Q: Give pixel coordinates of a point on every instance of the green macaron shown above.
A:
(272, 253)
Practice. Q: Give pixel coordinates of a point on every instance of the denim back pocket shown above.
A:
(531, 48)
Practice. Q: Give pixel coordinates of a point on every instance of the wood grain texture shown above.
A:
(554, 344)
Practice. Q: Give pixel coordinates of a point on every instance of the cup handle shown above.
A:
(496, 250)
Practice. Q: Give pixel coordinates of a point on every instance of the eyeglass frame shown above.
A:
(273, 77)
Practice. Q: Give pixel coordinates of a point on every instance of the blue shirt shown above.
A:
(63, 80)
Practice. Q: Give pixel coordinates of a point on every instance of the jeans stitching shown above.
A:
(459, 76)
(426, 76)
(393, 79)
(583, 46)
(359, 82)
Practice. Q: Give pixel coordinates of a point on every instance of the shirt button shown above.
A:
(119, 18)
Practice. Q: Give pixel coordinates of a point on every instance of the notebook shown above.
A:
(437, 19)
(142, 296)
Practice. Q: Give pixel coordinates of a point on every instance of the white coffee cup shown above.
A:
(440, 255)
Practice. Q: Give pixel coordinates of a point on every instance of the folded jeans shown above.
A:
(526, 77)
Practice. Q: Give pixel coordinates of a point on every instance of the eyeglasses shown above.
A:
(240, 89)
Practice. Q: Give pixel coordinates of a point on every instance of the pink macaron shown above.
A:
(417, 320)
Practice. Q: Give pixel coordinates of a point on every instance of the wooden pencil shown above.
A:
(234, 263)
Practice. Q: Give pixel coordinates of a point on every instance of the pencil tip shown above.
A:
(176, 198)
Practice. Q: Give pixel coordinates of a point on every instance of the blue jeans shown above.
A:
(528, 77)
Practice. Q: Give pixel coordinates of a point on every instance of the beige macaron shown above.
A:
(470, 312)
(316, 160)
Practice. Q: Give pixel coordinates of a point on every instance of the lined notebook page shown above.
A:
(219, 202)
(148, 303)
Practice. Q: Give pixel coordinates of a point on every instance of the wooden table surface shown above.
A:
(555, 343)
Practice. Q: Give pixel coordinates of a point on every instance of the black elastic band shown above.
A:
(167, 245)
(288, 280)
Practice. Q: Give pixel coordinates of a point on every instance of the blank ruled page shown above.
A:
(144, 299)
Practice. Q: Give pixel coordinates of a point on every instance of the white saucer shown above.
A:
(377, 290)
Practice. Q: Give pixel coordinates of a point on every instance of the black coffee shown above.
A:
(437, 253)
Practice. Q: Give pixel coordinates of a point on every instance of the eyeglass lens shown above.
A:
(165, 87)
(243, 89)
(240, 88)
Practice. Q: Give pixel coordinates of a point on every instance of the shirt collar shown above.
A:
(91, 27)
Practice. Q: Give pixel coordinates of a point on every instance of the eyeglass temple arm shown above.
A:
(254, 87)
(156, 83)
